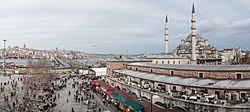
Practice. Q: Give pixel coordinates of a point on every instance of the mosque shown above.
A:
(193, 78)
(194, 49)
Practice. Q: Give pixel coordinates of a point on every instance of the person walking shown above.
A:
(103, 100)
(100, 110)
(72, 109)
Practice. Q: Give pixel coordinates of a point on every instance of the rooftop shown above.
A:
(196, 67)
(129, 60)
(193, 82)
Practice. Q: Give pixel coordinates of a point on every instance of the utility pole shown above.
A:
(151, 102)
(4, 63)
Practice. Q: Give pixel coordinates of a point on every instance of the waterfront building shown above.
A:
(195, 49)
(195, 77)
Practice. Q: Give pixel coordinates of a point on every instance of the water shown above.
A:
(89, 61)
(18, 61)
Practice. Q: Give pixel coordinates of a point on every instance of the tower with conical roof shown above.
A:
(193, 34)
(166, 35)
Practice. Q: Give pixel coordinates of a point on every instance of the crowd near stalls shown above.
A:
(112, 96)
(120, 100)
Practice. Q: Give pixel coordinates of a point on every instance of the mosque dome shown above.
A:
(198, 37)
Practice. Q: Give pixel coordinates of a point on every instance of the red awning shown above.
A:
(101, 83)
(93, 82)
(107, 88)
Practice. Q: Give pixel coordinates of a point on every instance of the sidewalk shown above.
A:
(99, 98)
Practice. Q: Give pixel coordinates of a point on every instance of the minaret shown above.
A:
(166, 35)
(193, 34)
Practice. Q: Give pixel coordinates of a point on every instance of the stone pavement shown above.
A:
(98, 98)
(64, 106)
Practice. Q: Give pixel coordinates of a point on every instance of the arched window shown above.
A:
(171, 72)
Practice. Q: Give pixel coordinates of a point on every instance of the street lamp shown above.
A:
(4, 72)
(151, 99)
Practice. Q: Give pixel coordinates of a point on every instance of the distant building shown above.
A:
(195, 49)
(232, 55)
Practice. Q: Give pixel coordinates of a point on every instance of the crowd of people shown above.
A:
(34, 100)
(82, 94)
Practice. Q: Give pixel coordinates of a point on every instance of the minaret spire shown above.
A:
(193, 34)
(193, 10)
(166, 35)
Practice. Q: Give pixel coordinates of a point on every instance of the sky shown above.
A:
(121, 26)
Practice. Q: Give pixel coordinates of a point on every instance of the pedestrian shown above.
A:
(82, 99)
(100, 109)
(58, 95)
(14, 104)
(72, 109)
(109, 102)
(69, 93)
(116, 105)
(103, 100)
(67, 100)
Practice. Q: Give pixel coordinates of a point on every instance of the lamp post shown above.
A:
(4, 71)
(151, 100)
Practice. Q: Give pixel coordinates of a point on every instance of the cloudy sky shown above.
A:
(121, 26)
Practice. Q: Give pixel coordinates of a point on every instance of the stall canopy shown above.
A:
(99, 71)
(105, 87)
(136, 106)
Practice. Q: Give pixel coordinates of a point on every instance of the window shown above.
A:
(217, 93)
(173, 62)
(193, 91)
(243, 95)
(179, 62)
(151, 70)
(130, 68)
(174, 88)
(136, 69)
(238, 76)
(168, 62)
(162, 62)
(171, 72)
(200, 75)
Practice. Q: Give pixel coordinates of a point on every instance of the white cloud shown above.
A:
(117, 25)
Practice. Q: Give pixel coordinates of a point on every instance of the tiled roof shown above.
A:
(196, 67)
(194, 82)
